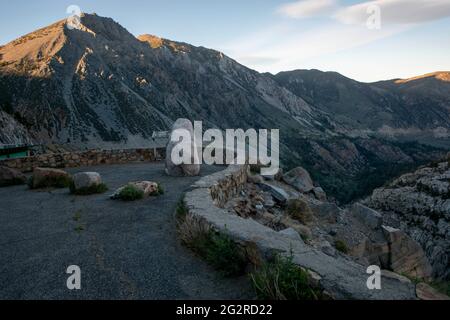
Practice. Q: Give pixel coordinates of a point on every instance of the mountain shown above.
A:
(411, 109)
(100, 86)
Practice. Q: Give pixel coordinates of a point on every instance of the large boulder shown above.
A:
(10, 177)
(300, 179)
(406, 255)
(183, 169)
(85, 180)
(47, 178)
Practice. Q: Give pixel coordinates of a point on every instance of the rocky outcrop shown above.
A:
(10, 177)
(405, 255)
(186, 169)
(418, 203)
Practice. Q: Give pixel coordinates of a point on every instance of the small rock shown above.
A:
(149, 188)
(300, 179)
(314, 279)
(292, 233)
(278, 194)
(395, 276)
(426, 292)
(320, 194)
(255, 179)
(9, 177)
(278, 176)
(328, 249)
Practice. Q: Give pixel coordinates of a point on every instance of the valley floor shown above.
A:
(124, 250)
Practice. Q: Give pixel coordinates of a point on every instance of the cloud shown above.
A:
(293, 48)
(395, 11)
(285, 45)
(307, 8)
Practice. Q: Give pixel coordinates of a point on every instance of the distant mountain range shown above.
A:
(100, 86)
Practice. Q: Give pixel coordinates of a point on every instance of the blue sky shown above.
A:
(274, 35)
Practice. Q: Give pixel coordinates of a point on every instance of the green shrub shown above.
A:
(79, 228)
(441, 286)
(218, 250)
(51, 182)
(224, 255)
(341, 246)
(158, 192)
(94, 189)
(181, 210)
(131, 193)
(282, 279)
(299, 210)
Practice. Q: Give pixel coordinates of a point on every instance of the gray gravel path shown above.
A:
(124, 250)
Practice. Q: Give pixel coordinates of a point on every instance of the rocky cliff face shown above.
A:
(419, 204)
(100, 86)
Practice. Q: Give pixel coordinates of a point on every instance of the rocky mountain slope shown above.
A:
(419, 204)
(414, 109)
(99, 86)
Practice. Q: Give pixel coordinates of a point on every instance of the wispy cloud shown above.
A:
(307, 8)
(396, 11)
(290, 43)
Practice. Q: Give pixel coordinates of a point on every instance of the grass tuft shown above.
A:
(299, 210)
(282, 279)
(341, 246)
(218, 249)
(130, 193)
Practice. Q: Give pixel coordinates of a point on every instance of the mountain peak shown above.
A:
(438, 75)
(154, 41)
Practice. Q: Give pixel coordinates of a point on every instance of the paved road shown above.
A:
(125, 250)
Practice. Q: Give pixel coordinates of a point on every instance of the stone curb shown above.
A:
(341, 277)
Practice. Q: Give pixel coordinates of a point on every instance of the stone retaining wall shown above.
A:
(84, 158)
(340, 277)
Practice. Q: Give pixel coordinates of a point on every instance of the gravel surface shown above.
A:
(124, 250)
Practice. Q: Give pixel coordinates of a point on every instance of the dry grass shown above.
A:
(299, 210)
